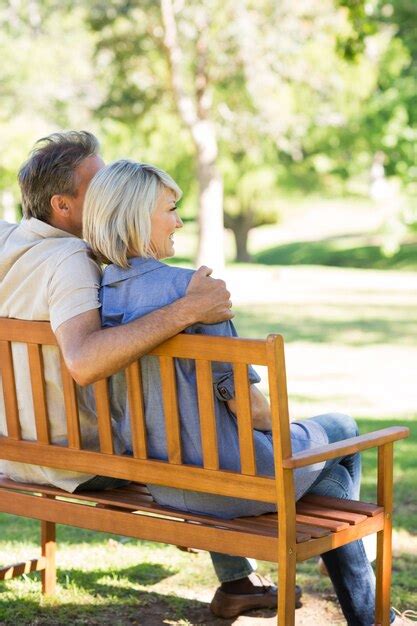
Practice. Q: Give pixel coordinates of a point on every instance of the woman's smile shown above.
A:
(164, 222)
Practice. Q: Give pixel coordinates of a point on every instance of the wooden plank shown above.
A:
(101, 393)
(71, 407)
(9, 390)
(287, 548)
(384, 538)
(24, 567)
(227, 349)
(221, 482)
(136, 410)
(244, 419)
(347, 446)
(330, 513)
(208, 427)
(48, 548)
(337, 539)
(24, 331)
(137, 498)
(355, 506)
(145, 527)
(333, 525)
(172, 420)
(313, 531)
(37, 380)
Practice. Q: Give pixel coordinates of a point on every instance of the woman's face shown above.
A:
(164, 221)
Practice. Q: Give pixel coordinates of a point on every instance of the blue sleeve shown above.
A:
(223, 379)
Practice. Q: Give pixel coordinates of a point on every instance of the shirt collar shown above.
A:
(138, 266)
(42, 229)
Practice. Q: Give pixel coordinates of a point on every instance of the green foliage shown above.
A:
(340, 252)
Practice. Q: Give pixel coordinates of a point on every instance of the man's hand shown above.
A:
(209, 297)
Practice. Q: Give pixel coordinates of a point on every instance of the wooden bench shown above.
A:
(297, 532)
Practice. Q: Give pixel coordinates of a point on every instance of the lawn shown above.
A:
(350, 338)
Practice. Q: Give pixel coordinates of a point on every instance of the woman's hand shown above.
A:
(261, 412)
(209, 298)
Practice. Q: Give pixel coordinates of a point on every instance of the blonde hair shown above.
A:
(118, 207)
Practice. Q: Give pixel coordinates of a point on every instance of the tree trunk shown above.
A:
(241, 240)
(210, 217)
(195, 113)
(240, 227)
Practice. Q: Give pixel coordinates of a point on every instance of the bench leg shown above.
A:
(286, 589)
(384, 537)
(383, 577)
(48, 545)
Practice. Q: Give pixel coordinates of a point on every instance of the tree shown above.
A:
(44, 87)
(245, 77)
(250, 200)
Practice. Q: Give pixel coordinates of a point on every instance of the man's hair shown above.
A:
(50, 170)
(118, 206)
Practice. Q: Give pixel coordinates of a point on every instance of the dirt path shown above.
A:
(316, 611)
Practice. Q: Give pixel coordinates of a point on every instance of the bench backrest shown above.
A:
(203, 350)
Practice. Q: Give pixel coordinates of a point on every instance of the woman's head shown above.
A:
(130, 210)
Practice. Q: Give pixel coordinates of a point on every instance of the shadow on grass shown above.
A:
(105, 601)
(144, 608)
(338, 252)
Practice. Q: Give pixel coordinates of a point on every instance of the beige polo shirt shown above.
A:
(46, 274)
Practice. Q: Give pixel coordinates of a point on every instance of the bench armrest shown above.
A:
(347, 446)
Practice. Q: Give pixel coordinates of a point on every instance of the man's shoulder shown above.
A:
(72, 250)
(6, 228)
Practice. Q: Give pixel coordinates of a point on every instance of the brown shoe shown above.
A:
(228, 605)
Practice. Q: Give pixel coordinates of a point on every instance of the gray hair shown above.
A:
(50, 170)
(118, 206)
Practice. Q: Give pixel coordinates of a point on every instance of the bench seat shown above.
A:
(132, 511)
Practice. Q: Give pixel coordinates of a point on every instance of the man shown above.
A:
(46, 273)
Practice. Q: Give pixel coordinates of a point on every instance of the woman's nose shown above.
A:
(179, 223)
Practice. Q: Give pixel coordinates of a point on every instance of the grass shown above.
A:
(339, 252)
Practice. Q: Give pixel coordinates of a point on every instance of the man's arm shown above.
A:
(261, 412)
(91, 352)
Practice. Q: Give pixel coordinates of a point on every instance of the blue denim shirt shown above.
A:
(127, 294)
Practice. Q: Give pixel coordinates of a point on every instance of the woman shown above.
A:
(130, 220)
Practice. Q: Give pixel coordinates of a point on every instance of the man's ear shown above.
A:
(59, 205)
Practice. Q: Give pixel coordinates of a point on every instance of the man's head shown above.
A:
(55, 178)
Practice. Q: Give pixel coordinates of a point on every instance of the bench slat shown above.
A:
(314, 531)
(333, 525)
(136, 410)
(172, 421)
(9, 390)
(25, 567)
(208, 427)
(37, 379)
(355, 506)
(244, 419)
(101, 392)
(71, 408)
(226, 349)
(329, 513)
(119, 499)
